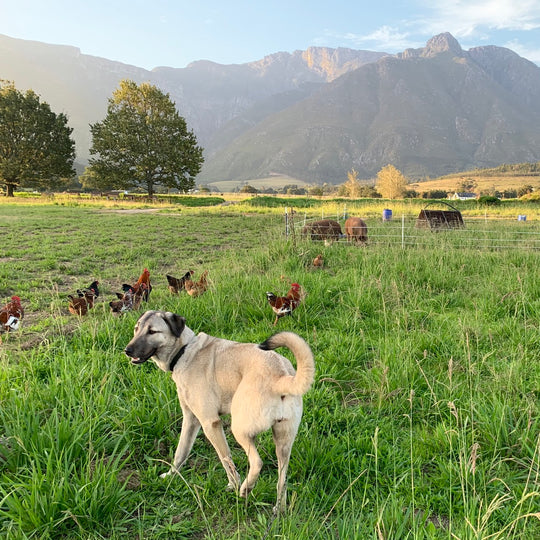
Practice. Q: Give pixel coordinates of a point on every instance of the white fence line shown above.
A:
(480, 233)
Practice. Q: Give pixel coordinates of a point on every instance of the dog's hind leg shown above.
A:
(283, 444)
(190, 428)
(214, 433)
(247, 442)
(284, 434)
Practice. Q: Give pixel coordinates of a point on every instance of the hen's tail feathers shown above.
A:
(301, 382)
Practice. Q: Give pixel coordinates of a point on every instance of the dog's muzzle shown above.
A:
(128, 351)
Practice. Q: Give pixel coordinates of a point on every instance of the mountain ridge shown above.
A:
(207, 94)
(429, 111)
(315, 114)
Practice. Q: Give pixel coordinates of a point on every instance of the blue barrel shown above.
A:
(522, 218)
(386, 214)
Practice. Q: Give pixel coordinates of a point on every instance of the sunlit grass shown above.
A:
(422, 422)
(308, 207)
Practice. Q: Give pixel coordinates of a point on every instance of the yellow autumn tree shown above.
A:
(391, 183)
(352, 187)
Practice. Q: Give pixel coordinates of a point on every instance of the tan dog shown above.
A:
(255, 385)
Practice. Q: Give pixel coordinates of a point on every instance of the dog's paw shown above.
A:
(278, 509)
(168, 473)
(244, 489)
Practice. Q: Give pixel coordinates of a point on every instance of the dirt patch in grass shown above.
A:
(24, 340)
(131, 211)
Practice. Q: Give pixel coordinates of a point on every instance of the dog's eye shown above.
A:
(150, 331)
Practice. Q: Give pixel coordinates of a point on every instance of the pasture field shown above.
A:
(423, 421)
(451, 183)
(276, 182)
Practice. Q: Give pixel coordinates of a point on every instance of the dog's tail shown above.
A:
(299, 383)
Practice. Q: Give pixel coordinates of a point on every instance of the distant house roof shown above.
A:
(463, 196)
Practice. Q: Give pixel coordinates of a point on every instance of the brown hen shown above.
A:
(79, 305)
(196, 288)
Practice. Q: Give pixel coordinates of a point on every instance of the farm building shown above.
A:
(464, 196)
(440, 219)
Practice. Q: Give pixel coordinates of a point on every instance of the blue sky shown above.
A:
(151, 33)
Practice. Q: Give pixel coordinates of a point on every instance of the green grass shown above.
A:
(423, 421)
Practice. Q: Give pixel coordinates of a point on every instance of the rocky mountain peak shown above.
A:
(316, 63)
(331, 63)
(440, 43)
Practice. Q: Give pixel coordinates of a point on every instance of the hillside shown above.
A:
(429, 112)
(503, 177)
(484, 184)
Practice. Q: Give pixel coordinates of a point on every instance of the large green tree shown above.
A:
(143, 143)
(36, 148)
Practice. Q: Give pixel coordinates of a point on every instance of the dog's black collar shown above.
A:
(177, 357)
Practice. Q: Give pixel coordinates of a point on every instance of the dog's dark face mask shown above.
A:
(152, 333)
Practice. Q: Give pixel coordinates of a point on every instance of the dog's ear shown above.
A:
(175, 322)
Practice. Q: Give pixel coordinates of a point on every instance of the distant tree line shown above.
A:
(390, 183)
(511, 169)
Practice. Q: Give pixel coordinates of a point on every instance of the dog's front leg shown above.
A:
(190, 428)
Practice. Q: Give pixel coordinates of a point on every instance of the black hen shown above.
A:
(93, 287)
(178, 284)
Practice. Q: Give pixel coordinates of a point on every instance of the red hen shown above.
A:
(11, 315)
(142, 287)
(285, 305)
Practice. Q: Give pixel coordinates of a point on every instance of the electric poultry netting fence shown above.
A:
(481, 233)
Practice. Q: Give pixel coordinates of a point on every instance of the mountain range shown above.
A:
(316, 114)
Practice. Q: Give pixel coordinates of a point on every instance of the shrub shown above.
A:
(435, 194)
(531, 197)
(489, 200)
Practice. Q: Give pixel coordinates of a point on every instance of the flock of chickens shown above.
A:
(131, 297)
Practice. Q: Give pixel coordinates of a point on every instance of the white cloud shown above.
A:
(466, 18)
(510, 23)
(385, 38)
(530, 54)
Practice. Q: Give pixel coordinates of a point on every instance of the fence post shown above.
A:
(402, 231)
(292, 227)
(286, 223)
